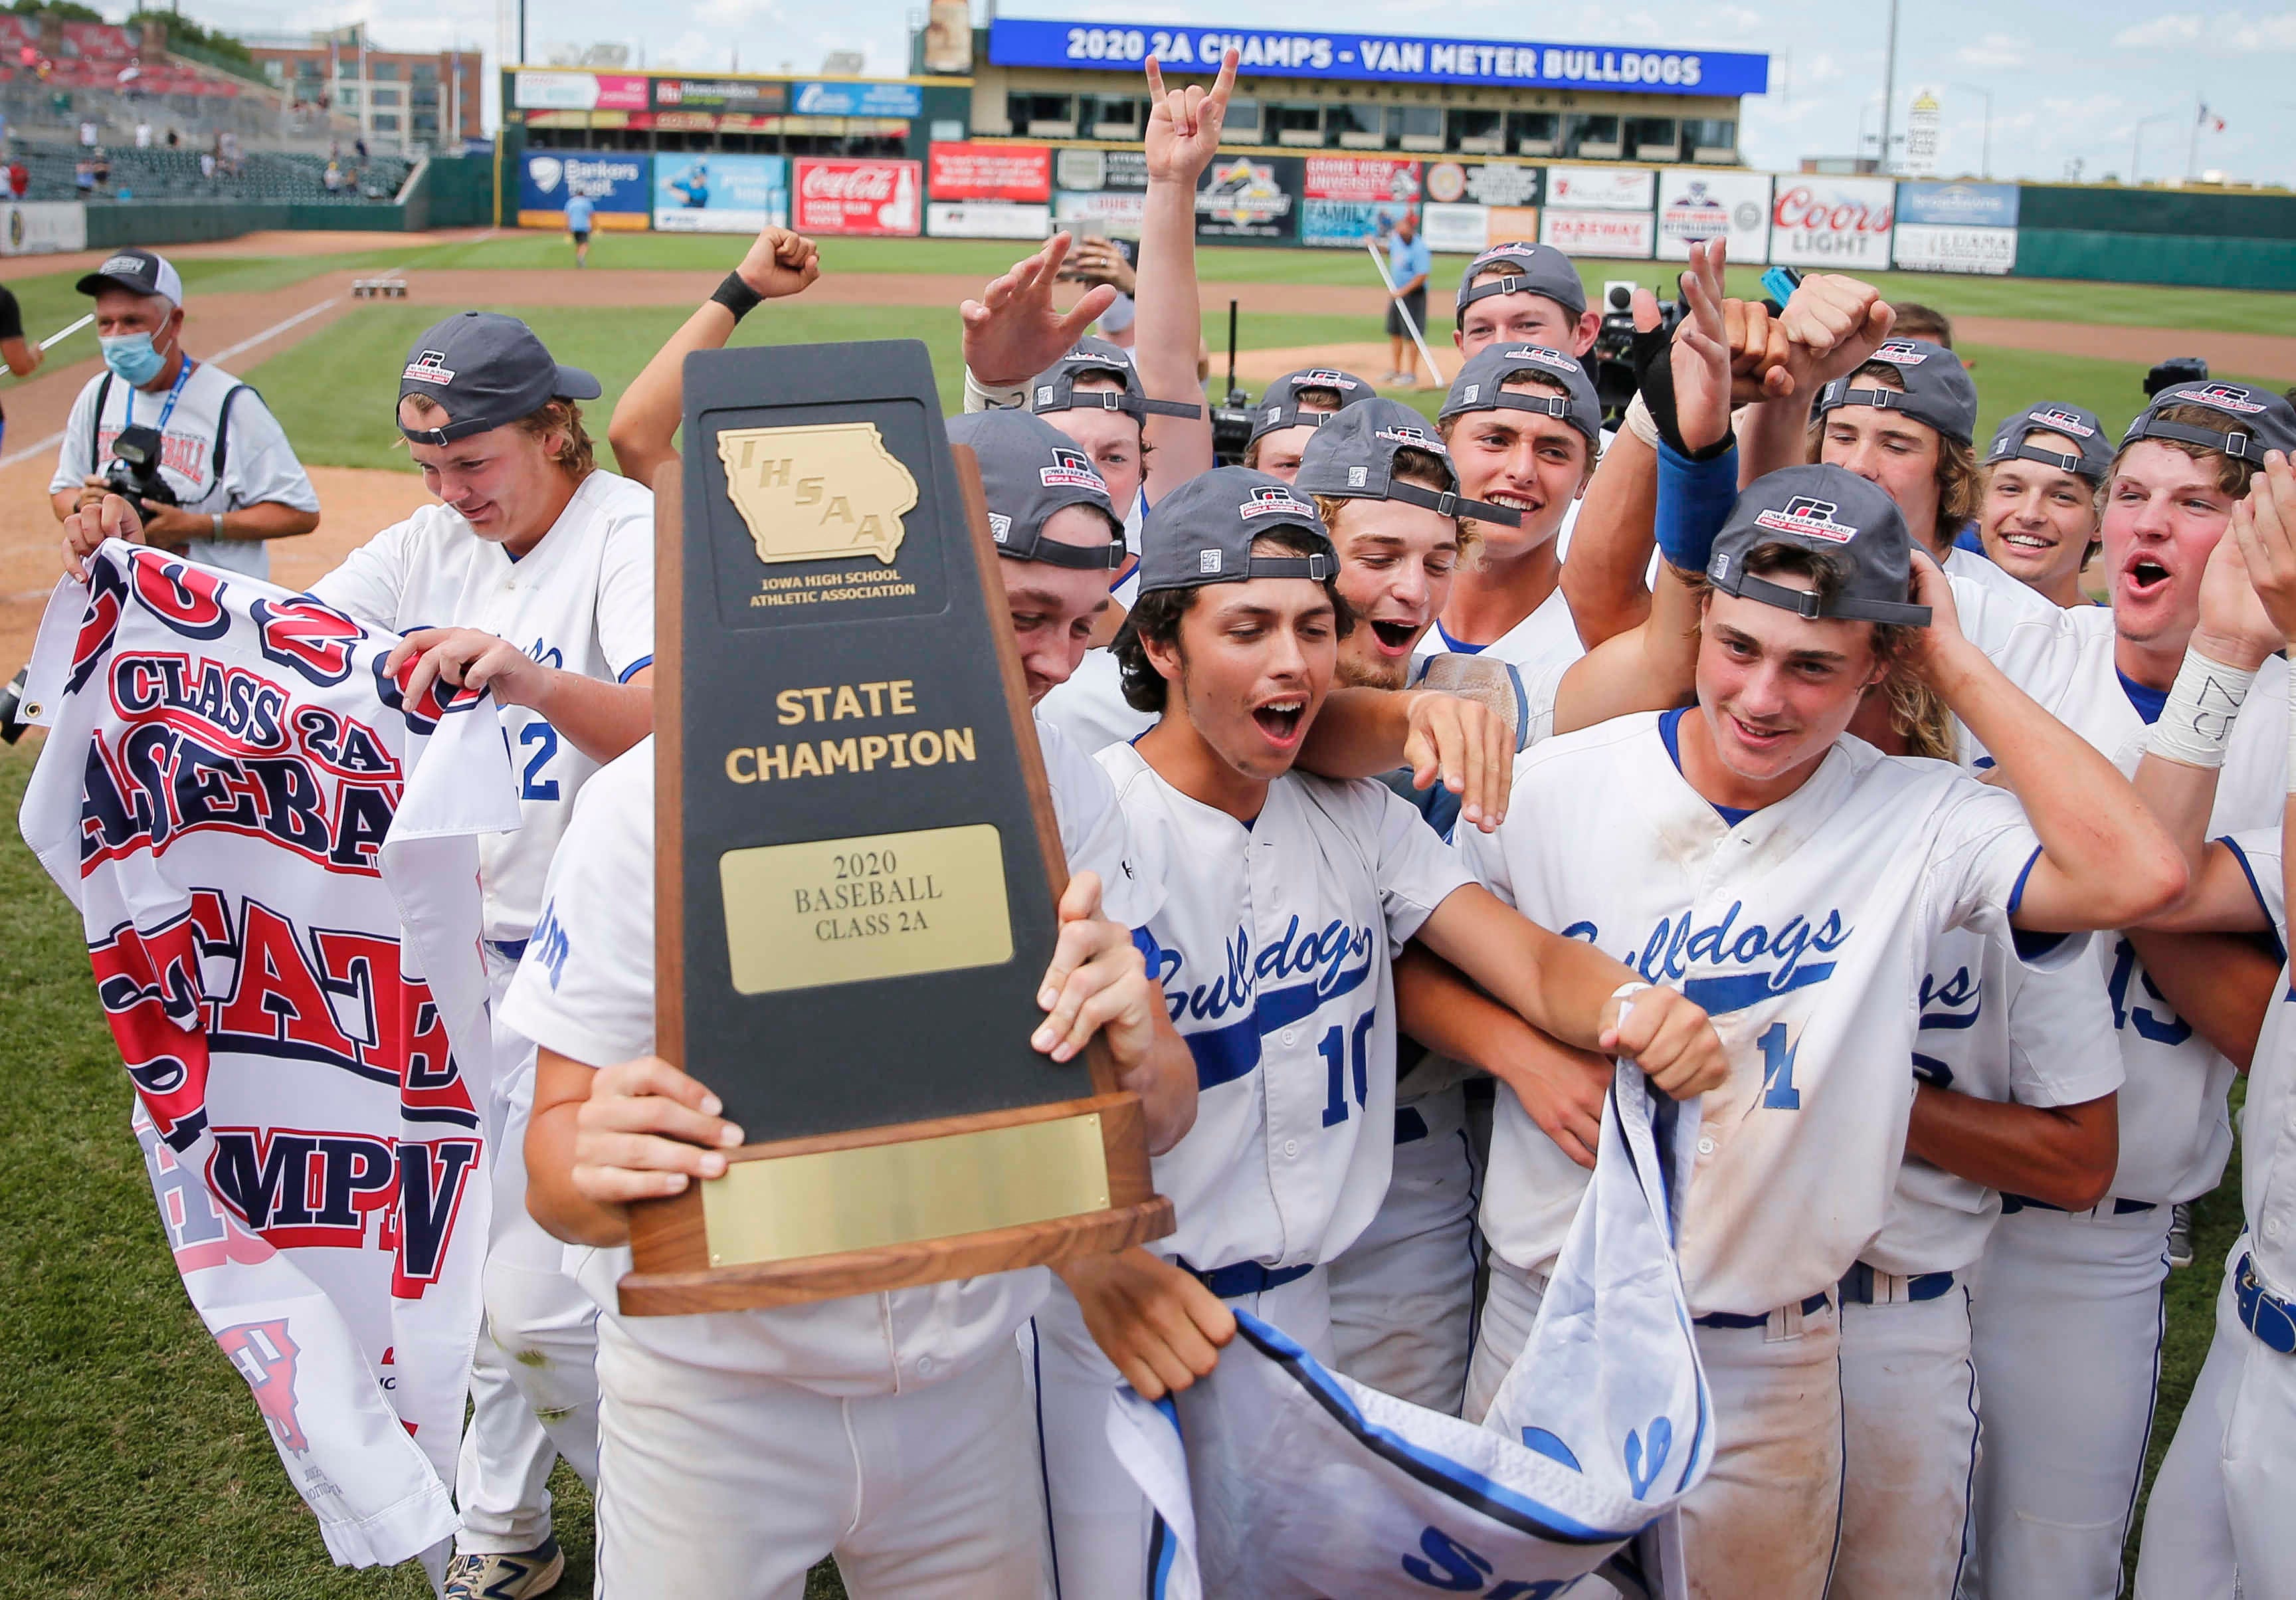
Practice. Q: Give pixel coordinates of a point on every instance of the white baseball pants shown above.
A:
(1763, 1524)
(533, 1381)
(727, 1486)
(2185, 1549)
(1403, 1294)
(1099, 1520)
(1909, 1444)
(2065, 1323)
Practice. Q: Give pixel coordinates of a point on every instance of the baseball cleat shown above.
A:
(2180, 1235)
(506, 1574)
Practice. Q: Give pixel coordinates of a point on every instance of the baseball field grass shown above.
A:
(135, 1463)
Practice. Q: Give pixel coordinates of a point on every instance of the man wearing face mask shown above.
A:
(214, 444)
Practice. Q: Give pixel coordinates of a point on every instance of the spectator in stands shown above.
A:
(174, 138)
(208, 165)
(102, 168)
(142, 135)
(84, 178)
(359, 145)
(333, 178)
(19, 179)
(235, 481)
(87, 134)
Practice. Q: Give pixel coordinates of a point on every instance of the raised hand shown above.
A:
(2263, 531)
(1834, 325)
(780, 263)
(1700, 357)
(110, 517)
(1184, 125)
(1012, 332)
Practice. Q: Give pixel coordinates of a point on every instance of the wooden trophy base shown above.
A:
(893, 1208)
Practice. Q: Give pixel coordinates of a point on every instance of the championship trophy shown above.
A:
(858, 861)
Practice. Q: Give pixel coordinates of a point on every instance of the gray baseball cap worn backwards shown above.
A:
(1530, 269)
(2092, 461)
(1279, 405)
(1835, 512)
(1202, 533)
(1054, 388)
(2261, 420)
(1031, 470)
(1481, 386)
(487, 371)
(1352, 457)
(1938, 389)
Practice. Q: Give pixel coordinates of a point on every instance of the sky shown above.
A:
(2067, 84)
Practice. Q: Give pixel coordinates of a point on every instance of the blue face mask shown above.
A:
(131, 357)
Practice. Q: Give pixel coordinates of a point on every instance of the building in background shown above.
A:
(402, 100)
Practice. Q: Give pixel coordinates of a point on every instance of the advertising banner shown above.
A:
(1349, 199)
(1929, 247)
(1250, 199)
(1842, 224)
(1600, 188)
(716, 193)
(987, 219)
(579, 90)
(1483, 183)
(836, 195)
(1452, 230)
(1733, 207)
(1086, 170)
(1008, 172)
(1620, 235)
(743, 94)
(858, 100)
(41, 227)
(1923, 124)
(1118, 214)
(1959, 205)
(619, 185)
(1380, 58)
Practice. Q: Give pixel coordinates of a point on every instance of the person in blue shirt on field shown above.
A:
(1409, 262)
(579, 208)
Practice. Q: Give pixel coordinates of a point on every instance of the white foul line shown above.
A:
(273, 331)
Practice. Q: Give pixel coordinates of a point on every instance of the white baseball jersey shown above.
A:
(1091, 708)
(1274, 950)
(581, 599)
(586, 991)
(2175, 1129)
(1997, 1029)
(1802, 929)
(1548, 634)
(258, 466)
(2267, 1165)
(1976, 569)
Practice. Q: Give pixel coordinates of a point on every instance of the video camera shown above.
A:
(1611, 362)
(134, 473)
(2175, 370)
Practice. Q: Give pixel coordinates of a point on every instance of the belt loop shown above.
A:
(1785, 1323)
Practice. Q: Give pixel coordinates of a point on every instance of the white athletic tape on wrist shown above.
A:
(979, 397)
(1640, 423)
(2196, 723)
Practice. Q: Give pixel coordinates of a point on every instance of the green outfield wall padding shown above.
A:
(157, 222)
(2191, 213)
(2151, 258)
(461, 190)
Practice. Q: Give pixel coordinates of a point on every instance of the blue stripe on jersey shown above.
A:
(1438, 1472)
(1223, 1055)
(2248, 870)
(1721, 994)
(635, 668)
(1277, 1008)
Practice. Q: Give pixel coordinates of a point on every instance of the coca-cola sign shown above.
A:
(837, 196)
(1833, 221)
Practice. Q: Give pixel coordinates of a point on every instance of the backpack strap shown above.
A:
(223, 431)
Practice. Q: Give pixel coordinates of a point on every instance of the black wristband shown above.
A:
(736, 296)
(1653, 354)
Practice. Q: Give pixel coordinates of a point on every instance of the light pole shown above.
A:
(2137, 141)
(1888, 86)
(1984, 156)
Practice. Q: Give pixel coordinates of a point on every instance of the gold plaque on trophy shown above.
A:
(817, 492)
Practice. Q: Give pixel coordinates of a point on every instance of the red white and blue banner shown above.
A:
(274, 856)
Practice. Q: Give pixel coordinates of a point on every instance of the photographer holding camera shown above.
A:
(195, 450)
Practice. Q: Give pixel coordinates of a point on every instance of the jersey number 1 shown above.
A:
(1778, 1091)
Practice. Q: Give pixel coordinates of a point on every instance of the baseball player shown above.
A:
(233, 483)
(2038, 512)
(1524, 293)
(580, 210)
(2214, 1527)
(1288, 898)
(1793, 883)
(892, 1430)
(1290, 410)
(2067, 1321)
(533, 576)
